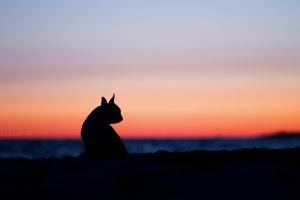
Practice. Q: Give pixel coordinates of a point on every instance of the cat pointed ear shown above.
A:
(112, 100)
(103, 101)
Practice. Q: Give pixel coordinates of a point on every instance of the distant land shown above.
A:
(282, 135)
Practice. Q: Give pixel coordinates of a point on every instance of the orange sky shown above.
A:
(205, 109)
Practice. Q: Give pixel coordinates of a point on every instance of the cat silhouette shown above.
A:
(99, 137)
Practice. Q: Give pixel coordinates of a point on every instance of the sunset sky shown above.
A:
(184, 68)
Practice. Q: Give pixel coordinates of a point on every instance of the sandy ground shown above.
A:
(242, 174)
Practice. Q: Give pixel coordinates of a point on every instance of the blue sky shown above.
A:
(146, 25)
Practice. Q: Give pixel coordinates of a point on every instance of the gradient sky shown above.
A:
(178, 68)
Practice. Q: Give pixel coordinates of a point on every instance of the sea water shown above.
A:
(61, 148)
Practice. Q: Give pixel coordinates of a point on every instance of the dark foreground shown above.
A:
(242, 174)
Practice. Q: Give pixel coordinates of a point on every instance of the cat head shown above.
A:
(111, 112)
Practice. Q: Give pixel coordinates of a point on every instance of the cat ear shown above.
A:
(112, 100)
(103, 101)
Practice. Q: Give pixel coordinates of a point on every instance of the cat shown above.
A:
(99, 138)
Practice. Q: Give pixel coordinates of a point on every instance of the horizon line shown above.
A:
(216, 136)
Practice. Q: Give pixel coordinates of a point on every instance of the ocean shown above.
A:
(61, 148)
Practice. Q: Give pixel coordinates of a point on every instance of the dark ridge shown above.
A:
(238, 174)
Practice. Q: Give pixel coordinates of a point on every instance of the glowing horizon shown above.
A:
(178, 69)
